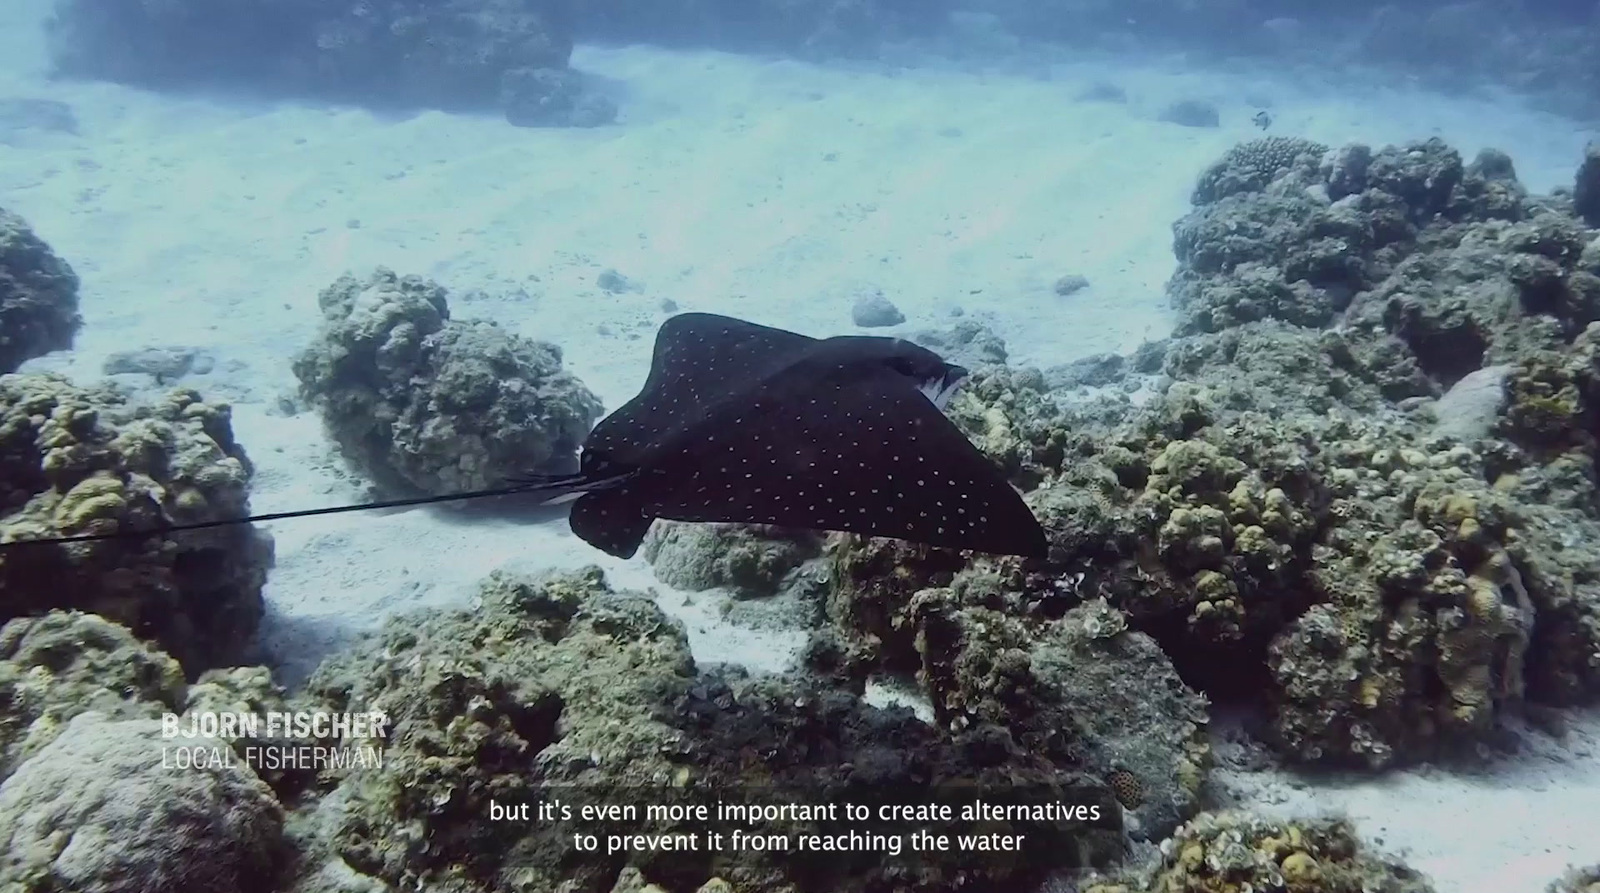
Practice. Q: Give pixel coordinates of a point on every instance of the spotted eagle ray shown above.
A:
(739, 422)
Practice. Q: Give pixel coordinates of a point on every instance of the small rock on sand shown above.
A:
(1192, 113)
(612, 282)
(873, 310)
(1070, 284)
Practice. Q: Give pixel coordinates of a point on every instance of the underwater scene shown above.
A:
(799, 446)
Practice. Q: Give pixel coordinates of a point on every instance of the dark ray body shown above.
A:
(740, 422)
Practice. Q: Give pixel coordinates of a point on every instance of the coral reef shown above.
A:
(1586, 186)
(873, 583)
(38, 296)
(61, 664)
(560, 687)
(1578, 880)
(1475, 43)
(1241, 851)
(1142, 728)
(1357, 493)
(1007, 412)
(1081, 690)
(751, 560)
(81, 460)
(1534, 50)
(1073, 685)
(60, 667)
(820, 744)
(463, 45)
(553, 681)
(1402, 576)
(65, 663)
(448, 54)
(1253, 166)
(967, 343)
(238, 691)
(810, 27)
(1479, 275)
(452, 54)
(1281, 231)
(96, 810)
(422, 403)
(552, 97)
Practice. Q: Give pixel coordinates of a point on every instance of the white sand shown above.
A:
(1514, 828)
(772, 190)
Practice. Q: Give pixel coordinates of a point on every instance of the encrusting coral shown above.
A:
(99, 808)
(58, 665)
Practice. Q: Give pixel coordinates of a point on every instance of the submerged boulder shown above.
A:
(38, 296)
(98, 810)
(426, 404)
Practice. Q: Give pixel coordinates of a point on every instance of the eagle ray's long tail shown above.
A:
(555, 487)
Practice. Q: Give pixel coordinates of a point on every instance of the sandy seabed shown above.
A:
(772, 190)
